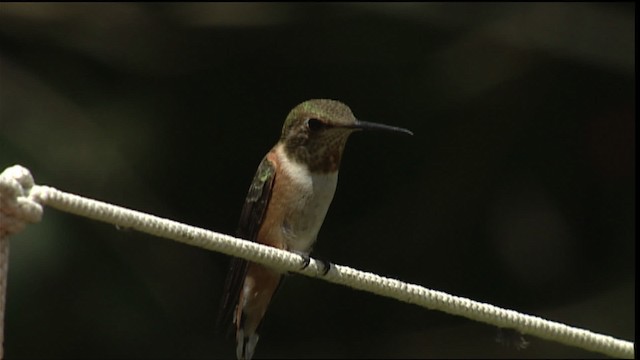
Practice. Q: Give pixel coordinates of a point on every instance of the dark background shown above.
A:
(517, 188)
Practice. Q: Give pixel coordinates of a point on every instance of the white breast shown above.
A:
(310, 197)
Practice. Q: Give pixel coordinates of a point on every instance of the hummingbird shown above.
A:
(285, 207)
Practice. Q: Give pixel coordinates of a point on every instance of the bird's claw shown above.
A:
(306, 260)
(326, 266)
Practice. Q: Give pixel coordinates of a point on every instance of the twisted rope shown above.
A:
(286, 261)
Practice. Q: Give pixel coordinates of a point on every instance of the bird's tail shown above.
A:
(245, 345)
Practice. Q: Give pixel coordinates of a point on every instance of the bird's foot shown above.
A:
(306, 260)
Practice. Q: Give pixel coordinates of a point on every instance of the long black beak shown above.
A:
(364, 125)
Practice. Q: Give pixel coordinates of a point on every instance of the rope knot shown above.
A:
(17, 206)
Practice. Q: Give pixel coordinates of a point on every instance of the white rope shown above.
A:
(338, 274)
(16, 210)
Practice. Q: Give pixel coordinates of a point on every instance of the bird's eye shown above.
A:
(315, 124)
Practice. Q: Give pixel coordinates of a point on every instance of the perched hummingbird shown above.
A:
(286, 205)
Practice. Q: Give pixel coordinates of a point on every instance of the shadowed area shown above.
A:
(516, 189)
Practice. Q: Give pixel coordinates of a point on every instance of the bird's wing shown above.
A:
(251, 217)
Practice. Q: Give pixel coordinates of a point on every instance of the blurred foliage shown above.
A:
(517, 188)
